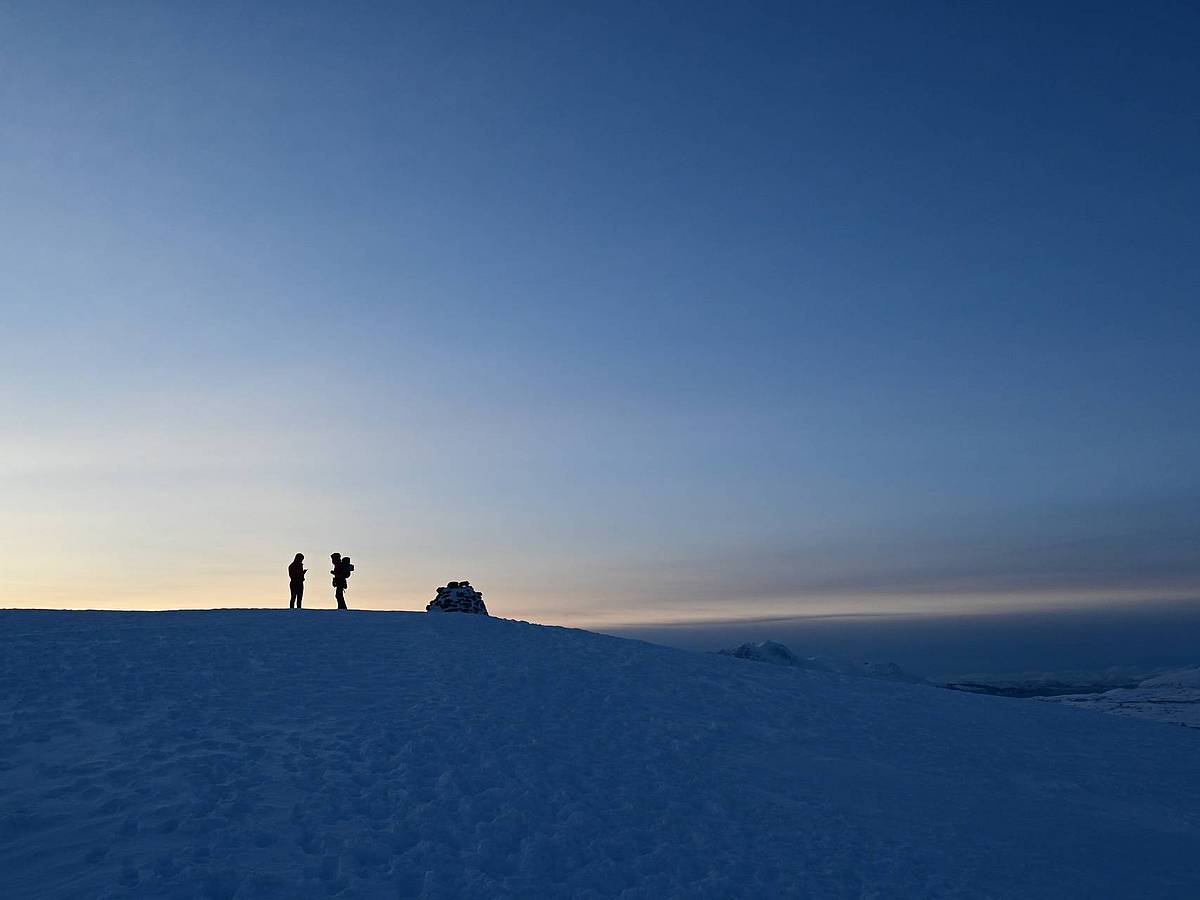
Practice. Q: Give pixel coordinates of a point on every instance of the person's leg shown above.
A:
(292, 598)
(341, 598)
(299, 595)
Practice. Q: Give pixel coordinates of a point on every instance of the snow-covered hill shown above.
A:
(1189, 677)
(1173, 698)
(298, 754)
(778, 654)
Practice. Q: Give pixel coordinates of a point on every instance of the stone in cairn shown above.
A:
(458, 596)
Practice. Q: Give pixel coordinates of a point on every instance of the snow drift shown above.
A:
(297, 754)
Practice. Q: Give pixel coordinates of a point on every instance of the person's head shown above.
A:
(335, 556)
(299, 558)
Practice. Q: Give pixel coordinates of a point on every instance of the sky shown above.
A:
(628, 313)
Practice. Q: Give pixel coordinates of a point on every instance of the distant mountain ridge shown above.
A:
(777, 654)
(1170, 697)
(1034, 689)
(1173, 698)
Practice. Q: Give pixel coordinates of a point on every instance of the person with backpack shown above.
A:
(341, 570)
(296, 576)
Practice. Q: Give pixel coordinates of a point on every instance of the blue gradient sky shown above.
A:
(628, 312)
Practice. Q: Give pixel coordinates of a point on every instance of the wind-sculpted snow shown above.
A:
(310, 754)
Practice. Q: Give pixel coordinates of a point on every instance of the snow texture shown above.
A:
(777, 654)
(1173, 698)
(311, 754)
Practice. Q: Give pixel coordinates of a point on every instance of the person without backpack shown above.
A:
(296, 576)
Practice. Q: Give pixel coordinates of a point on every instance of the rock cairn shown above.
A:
(458, 596)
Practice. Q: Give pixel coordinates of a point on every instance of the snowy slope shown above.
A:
(778, 654)
(1173, 698)
(1179, 678)
(296, 754)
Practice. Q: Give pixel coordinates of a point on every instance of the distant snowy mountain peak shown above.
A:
(765, 651)
(779, 655)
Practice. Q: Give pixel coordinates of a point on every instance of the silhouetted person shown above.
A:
(338, 585)
(296, 575)
(341, 573)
